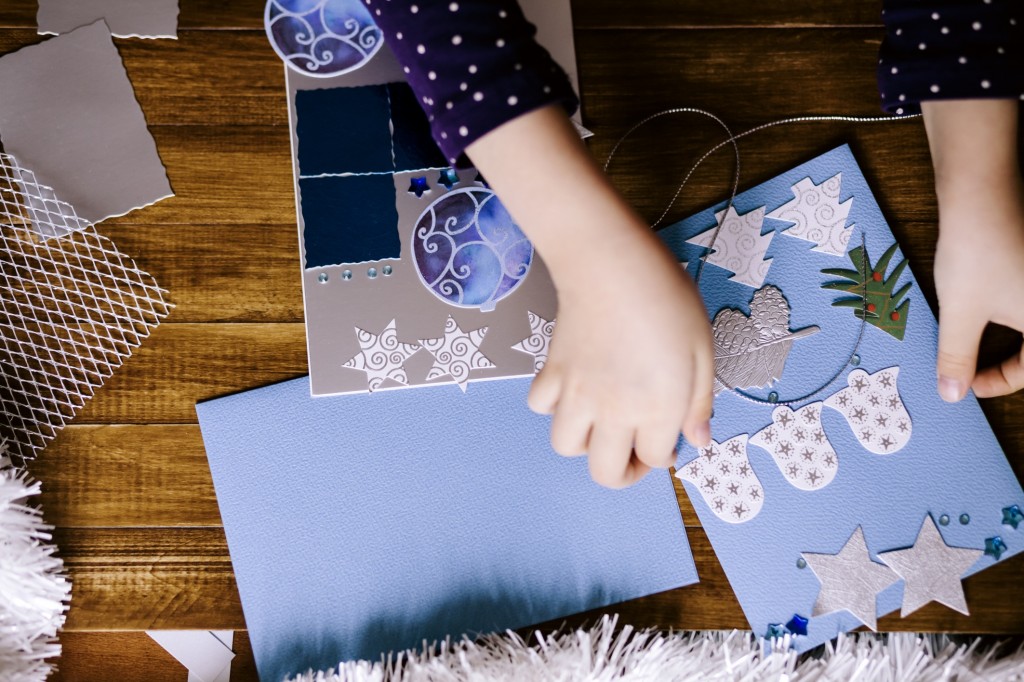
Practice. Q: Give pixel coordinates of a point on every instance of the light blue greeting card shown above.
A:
(839, 486)
(367, 523)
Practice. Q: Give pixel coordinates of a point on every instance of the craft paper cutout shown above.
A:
(358, 274)
(322, 38)
(206, 655)
(931, 570)
(413, 515)
(799, 446)
(537, 343)
(738, 246)
(125, 18)
(72, 310)
(850, 580)
(468, 250)
(817, 215)
(750, 351)
(725, 479)
(94, 149)
(382, 356)
(885, 496)
(349, 219)
(874, 410)
(343, 131)
(414, 146)
(879, 306)
(457, 353)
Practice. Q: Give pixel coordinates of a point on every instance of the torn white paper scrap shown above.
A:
(69, 113)
(200, 651)
(126, 18)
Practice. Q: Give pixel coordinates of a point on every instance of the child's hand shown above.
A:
(631, 362)
(979, 262)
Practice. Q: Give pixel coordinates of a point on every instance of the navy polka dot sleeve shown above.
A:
(950, 49)
(473, 64)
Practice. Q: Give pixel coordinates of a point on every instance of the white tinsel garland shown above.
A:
(602, 654)
(33, 588)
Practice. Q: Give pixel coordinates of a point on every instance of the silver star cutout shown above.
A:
(850, 580)
(931, 570)
(381, 356)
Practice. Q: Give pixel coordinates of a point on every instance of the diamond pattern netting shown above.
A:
(72, 310)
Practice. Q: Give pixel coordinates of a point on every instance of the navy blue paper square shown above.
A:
(344, 130)
(414, 145)
(349, 219)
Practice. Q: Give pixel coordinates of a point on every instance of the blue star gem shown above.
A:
(797, 624)
(448, 178)
(418, 185)
(995, 547)
(775, 630)
(1012, 516)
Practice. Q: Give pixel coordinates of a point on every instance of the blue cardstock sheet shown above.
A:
(952, 464)
(367, 523)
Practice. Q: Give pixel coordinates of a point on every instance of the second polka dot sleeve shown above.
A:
(473, 64)
(952, 49)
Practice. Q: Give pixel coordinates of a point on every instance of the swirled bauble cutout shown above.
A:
(468, 251)
(322, 38)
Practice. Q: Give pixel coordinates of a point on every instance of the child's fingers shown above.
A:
(545, 391)
(696, 423)
(570, 429)
(959, 336)
(656, 443)
(1002, 379)
(611, 456)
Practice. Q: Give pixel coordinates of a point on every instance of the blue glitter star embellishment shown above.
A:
(995, 547)
(775, 631)
(1012, 516)
(797, 624)
(448, 178)
(418, 185)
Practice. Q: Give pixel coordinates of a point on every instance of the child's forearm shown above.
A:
(558, 195)
(974, 148)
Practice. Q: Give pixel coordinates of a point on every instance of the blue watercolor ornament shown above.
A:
(468, 251)
(322, 38)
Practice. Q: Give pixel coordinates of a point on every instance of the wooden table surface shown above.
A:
(127, 484)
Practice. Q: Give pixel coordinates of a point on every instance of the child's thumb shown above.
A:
(959, 337)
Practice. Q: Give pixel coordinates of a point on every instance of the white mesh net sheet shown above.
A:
(72, 310)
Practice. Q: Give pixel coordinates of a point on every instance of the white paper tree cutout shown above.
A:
(457, 353)
(725, 479)
(874, 410)
(739, 246)
(799, 446)
(817, 215)
(382, 356)
(537, 343)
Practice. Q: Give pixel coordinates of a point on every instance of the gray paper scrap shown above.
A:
(69, 113)
(126, 18)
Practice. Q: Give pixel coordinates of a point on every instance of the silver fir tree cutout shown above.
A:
(751, 351)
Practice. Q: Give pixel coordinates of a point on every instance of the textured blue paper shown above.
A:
(413, 142)
(349, 219)
(952, 464)
(364, 523)
(343, 130)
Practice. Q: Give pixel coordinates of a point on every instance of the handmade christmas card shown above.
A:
(838, 487)
(413, 273)
(363, 524)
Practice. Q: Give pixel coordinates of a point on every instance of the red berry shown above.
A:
(895, 317)
(871, 307)
(877, 276)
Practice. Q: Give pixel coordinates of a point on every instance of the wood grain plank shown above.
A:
(248, 14)
(137, 579)
(181, 364)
